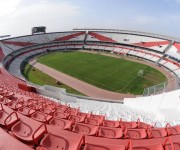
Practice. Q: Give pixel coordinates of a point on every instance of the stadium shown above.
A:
(46, 117)
(89, 89)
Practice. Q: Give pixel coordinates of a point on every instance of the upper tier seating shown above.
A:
(174, 51)
(10, 45)
(154, 47)
(136, 40)
(150, 55)
(31, 121)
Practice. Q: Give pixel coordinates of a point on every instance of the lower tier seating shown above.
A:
(43, 130)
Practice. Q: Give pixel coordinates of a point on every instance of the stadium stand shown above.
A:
(141, 41)
(29, 120)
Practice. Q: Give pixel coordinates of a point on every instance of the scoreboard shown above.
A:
(36, 30)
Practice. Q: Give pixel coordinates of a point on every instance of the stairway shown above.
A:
(12, 50)
(169, 46)
(85, 39)
(165, 50)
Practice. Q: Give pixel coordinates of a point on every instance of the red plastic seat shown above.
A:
(107, 142)
(149, 147)
(15, 105)
(129, 125)
(113, 133)
(7, 94)
(85, 129)
(36, 106)
(29, 102)
(7, 142)
(51, 107)
(143, 125)
(46, 111)
(62, 123)
(166, 145)
(86, 115)
(3, 91)
(72, 111)
(157, 132)
(53, 142)
(111, 123)
(93, 121)
(135, 133)
(172, 130)
(26, 111)
(41, 117)
(61, 140)
(104, 147)
(18, 99)
(7, 118)
(50, 103)
(1, 96)
(175, 139)
(61, 115)
(98, 117)
(62, 107)
(25, 130)
(23, 97)
(60, 110)
(76, 118)
(175, 130)
(5, 101)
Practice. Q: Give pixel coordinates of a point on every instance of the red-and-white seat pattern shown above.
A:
(149, 47)
(130, 39)
(156, 47)
(174, 51)
(173, 59)
(12, 44)
(60, 44)
(30, 121)
(169, 63)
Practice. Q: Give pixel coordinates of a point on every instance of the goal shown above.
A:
(140, 73)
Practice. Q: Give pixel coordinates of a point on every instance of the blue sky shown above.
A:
(157, 16)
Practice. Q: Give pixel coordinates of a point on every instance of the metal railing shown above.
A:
(172, 85)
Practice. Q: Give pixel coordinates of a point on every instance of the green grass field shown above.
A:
(113, 74)
(38, 77)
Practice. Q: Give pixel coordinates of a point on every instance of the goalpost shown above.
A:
(140, 73)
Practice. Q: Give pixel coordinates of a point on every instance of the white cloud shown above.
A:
(55, 15)
(8, 6)
(17, 17)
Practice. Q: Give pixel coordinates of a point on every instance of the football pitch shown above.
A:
(113, 74)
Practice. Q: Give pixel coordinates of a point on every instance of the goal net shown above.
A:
(140, 73)
(156, 89)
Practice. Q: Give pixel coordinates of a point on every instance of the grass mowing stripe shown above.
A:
(96, 82)
(132, 82)
(40, 78)
(105, 72)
